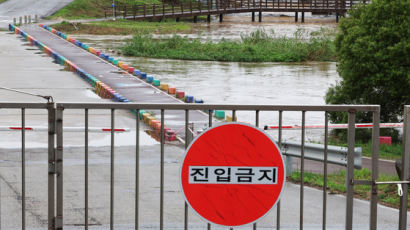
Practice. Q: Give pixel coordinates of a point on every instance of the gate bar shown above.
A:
(137, 168)
(325, 172)
(302, 169)
(186, 146)
(23, 169)
(86, 169)
(375, 169)
(51, 164)
(257, 125)
(161, 227)
(59, 169)
(405, 174)
(280, 145)
(350, 170)
(210, 125)
(112, 172)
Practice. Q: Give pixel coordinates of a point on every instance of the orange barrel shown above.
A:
(172, 90)
(124, 66)
(155, 123)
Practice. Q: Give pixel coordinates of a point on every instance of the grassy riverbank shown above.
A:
(123, 27)
(1, 1)
(81, 9)
(258, 46)
(387, 194)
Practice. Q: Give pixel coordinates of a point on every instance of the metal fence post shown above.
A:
(405, 174)
(375, 169)
(59, 168)
(350, 170)
(51, 164)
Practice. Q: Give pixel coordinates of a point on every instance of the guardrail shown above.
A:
(335, 154)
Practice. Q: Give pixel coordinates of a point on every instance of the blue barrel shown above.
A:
(80, 44)
(106, 57)
(137, 72)
(150, 79)
(189, 99)
(199, 101)
(111, 59)
(143, 75)
(102, 55)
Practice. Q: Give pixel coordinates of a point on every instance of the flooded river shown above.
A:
(243, 83)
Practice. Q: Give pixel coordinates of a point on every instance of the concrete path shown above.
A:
(16, 8)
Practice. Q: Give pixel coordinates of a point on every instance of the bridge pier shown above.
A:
(208, 18)
(337, 17)
(221, 18)
(303, 17)
(195, 19)
(253, 16)
(260, 16)
(296, 16)
(177, 19)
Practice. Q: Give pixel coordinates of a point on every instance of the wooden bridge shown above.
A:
(195, 8)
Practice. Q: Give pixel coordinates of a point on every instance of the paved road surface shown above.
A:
(17, 8)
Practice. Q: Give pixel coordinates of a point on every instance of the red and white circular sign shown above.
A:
(232, 174)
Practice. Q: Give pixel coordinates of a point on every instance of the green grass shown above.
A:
(82, 9)
(387, 194)
(258, 46)
(389, 152)
(1, 1)
(123, 27)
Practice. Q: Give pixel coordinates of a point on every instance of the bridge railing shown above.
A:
(197, 7)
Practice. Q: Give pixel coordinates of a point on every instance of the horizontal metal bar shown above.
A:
(369, 182)
(393, 182)
(16, 105)
(183, 106)
(336, 154)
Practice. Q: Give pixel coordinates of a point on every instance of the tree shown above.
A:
(373, 45)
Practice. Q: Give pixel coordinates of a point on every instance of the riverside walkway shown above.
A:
(195, 8)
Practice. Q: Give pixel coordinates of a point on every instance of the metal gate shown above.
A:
(57, 155)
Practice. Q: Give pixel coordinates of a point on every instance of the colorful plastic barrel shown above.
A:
(137, 72)
(189, 99)
(180, 94)
(172, 90)
(115, 62)
(102, 55)
(156, 82)
(150, 79)
(106, 57)
(125, 66)
(98, 53)
(143, 75)
(164, 87)
(142, 112)
(199, 101)
(131, 70)
(220, 114)
(111, 59)
(120, 64)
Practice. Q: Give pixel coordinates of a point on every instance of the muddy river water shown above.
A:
(245, 83)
